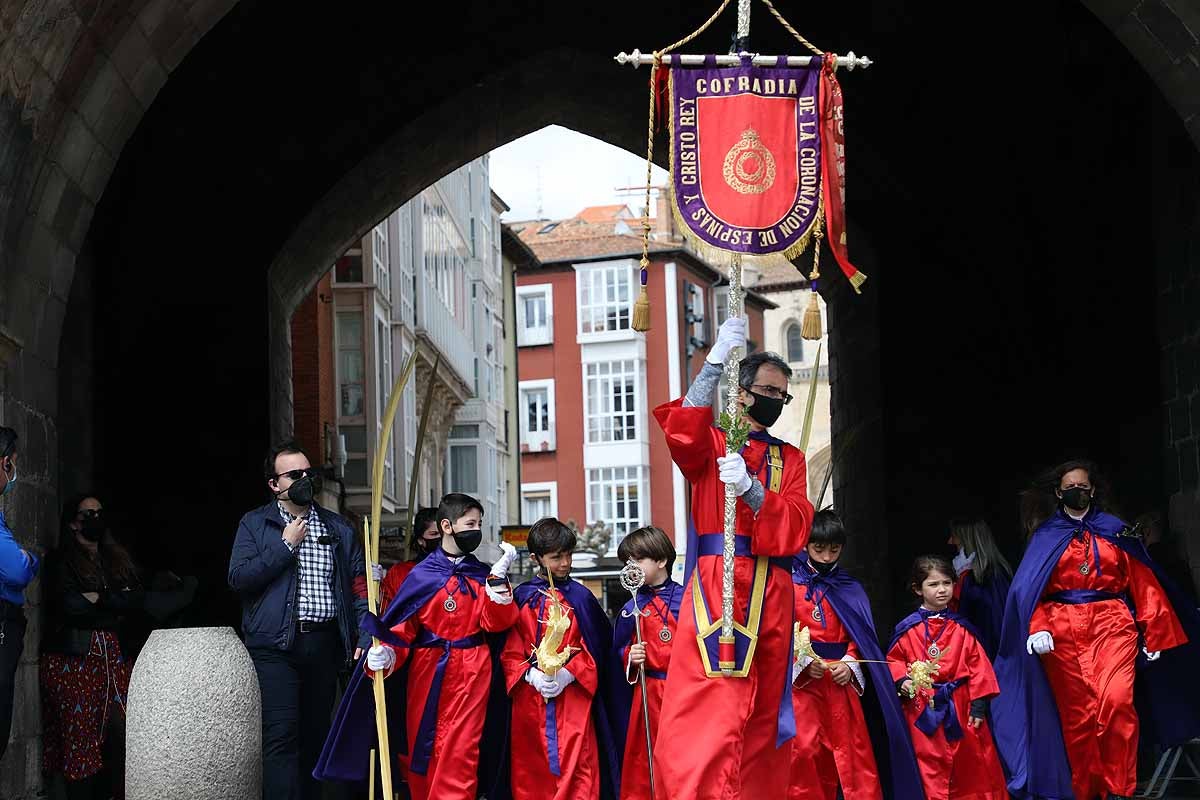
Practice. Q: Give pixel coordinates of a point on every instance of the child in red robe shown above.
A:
(658, 604)
(832, 744)
(562, 746)
(435, 633)
(950, 732)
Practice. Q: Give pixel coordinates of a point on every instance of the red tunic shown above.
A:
(635, 773)
(391, 583)
(723, 730)
(832, 743)
(1091, 668)
(462, 706)
(968, 767)
(554, 736)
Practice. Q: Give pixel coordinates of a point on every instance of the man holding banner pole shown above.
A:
(738, 722)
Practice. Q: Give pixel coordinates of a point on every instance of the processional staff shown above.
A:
(830, 202)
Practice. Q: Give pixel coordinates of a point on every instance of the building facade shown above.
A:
(590, 448)
(426, 282)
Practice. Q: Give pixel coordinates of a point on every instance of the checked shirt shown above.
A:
(315, 602)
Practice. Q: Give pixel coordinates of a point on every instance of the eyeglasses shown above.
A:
(773, 392)
(295, 474)
(90, 513)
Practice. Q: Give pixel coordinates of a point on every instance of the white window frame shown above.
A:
(595, 476)
(537, 441)
(539, 488)
(720, 307)
(600, 415)
(531, 337)
(583, 274)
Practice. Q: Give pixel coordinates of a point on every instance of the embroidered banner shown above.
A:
(746, 155)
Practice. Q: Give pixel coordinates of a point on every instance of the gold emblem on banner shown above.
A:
(749, 165)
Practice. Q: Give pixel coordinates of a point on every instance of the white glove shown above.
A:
(733, 471)
(963, 562)
(381, 658)
(377, 572)
(1041, 643)
(536, 678)
(1152, 655)
(553, 687)
(731, 334)
(799, 666)
(508, 554)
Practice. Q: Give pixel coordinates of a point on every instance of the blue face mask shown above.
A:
(8, 486)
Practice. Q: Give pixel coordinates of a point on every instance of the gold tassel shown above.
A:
(857, 280)
(810, 326)
(641, 312)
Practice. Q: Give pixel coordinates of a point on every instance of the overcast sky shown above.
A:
(563, 172)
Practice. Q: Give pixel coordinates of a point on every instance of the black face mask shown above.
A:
(1077, 498)
(468, 540)
(93, 528)
(821, 567)
(765, 409)
(303, 491)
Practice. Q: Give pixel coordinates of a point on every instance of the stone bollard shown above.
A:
(194, 726)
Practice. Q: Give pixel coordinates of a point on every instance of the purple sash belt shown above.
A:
(1076, 597)
(941, 713)
(713, 544)
(831, 651)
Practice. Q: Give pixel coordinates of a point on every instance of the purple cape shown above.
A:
(983, 605)
(849, 601)
(597, 637)
(346, 753)
(1025, 717)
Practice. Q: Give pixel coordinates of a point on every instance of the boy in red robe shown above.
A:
(737, 727)
(561, 743)
(832, 744)
(658, 603)
(434, 633)
(950, 733)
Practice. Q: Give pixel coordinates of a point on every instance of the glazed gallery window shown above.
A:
(604, 298)
(537, 415)
(611, 390)
(535, 320)
(615, 497)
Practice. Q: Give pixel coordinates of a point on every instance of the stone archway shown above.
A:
(80, 81)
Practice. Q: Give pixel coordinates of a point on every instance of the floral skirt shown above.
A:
(80, 695)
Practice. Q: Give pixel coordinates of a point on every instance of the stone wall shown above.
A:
(1176, 252)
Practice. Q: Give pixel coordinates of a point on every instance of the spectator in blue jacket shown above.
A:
(18, 566)
(300, 573)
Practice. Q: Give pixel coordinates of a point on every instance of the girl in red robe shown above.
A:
(950, 732)
(658, 602)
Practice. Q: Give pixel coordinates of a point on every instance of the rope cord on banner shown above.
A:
(641, 307)
(788, 27)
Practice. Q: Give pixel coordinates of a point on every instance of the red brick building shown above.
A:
(591, 450)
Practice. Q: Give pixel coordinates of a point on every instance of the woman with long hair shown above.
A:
(983, 579)
(92, 586)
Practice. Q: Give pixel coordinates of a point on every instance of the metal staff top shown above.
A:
(632, 578)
